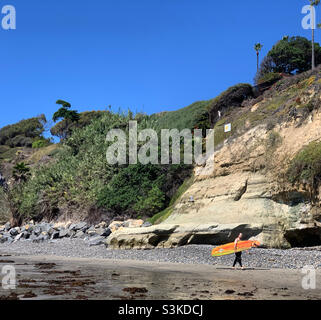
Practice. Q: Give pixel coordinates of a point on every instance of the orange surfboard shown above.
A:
(229, 248)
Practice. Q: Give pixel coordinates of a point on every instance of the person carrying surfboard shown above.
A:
(238, 255)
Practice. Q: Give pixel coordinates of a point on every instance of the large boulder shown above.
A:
(14, 231)
(103, 232)
(96, 241)
(28, 228)
(37, 230)
(55, 235)
(64, 233)
(169, 236)
(80, 235)
(133, 223)
(7, 226)
(83, 226)
(5, 238)
(146, 224)
(115, 225)
(45, 227)
(25, 235)
(32, 237)
(18, 237)
(41, 238)
(102, 224)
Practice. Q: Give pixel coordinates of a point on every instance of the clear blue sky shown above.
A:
(147, 55)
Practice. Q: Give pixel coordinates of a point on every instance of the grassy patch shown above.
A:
(276, 103)
(219, 135)
(270, 77)
(10, 154)
(242, 120)
(308, 82)
(181, 190)
(4, 149)
(195, 115)
(220, 123)
(239, 123)
(162, 216)
(40, 153)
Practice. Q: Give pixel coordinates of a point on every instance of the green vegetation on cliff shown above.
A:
(65, 127)
(191, 117)
(81, 179)
(73, 177)
(291, 55)
(5, 213)
(287, 100)
(305, 169)
(23, 133)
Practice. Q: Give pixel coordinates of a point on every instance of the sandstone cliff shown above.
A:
(243, 186)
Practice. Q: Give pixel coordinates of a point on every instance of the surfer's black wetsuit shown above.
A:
(238, 259)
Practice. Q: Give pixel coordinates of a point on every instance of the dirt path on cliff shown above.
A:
(56, 278)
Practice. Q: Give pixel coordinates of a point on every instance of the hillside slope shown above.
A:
(264, 178)
(245, 186)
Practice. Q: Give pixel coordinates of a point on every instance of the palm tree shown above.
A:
(313, 4)
(21, 172)
(258, 47)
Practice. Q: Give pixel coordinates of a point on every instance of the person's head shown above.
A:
(240, 236)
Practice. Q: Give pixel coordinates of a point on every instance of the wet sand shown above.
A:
(62, 278)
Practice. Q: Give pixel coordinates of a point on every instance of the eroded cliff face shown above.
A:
(244, 183)
(243, 188)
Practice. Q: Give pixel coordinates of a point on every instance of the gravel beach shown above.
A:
(193, 254)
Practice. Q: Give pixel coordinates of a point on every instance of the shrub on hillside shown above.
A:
(41, 143)
(305, 168)
(270, 77)
(81, 177)
(231, 98)
(134, 189)
(22, 133)
(20, 141)
(150, 204)
(194, 116)
(65, 127)
(20, 172)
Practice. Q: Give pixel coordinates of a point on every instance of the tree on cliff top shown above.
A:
(258, 47)
(291, 55)
(67, 116)
(65, 113)
(65, 127)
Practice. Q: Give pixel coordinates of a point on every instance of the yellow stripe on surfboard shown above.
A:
(229, 248)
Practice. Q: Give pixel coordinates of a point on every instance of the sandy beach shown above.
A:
(60, 277)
